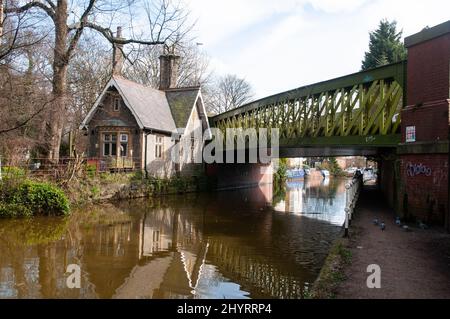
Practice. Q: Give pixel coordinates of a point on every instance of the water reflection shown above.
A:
(323, 198)
(224, 245)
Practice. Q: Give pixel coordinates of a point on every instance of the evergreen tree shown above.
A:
(385, 46)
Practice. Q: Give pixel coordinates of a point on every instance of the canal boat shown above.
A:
(295, 173)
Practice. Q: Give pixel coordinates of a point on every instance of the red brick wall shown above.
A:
(426, 187)
(428, 71)
(424, 177)
(431, 121)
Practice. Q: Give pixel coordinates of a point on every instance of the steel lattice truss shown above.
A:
(362, 104)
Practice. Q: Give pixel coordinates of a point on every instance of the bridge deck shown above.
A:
(361, 109)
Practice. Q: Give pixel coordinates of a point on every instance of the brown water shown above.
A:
(235, 244)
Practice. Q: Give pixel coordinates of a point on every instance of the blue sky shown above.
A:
(280, 45)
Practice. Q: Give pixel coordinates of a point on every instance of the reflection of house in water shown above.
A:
(225, 247)
(166, 271)
(155, 234)
(206, 254)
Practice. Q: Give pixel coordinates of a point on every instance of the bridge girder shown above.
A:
(361, 109)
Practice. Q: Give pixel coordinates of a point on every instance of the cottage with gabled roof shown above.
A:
(133, 126)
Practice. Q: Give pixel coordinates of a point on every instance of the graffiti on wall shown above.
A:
(440, 175)
(418, 169)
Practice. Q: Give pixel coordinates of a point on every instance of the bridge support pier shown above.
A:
(389, 179)
(423, 153)
(233, 176)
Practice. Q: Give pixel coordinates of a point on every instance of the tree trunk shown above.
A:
(59, 83)
(1, 20)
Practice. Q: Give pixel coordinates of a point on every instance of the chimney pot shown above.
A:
(168, 71)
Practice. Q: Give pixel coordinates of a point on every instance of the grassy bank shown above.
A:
(23, 197)
(332, 273)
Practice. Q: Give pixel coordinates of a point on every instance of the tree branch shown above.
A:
(51, 4)
(108, 34)
(33, 4)
(79, 32)
(22, 124)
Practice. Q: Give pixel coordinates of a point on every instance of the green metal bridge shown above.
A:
(358, 113)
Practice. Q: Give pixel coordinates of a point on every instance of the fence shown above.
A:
(353, 189)
(66, 167)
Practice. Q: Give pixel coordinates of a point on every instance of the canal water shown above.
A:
(252, 243)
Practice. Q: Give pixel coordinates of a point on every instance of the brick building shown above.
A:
(425, 127)
(132, 126)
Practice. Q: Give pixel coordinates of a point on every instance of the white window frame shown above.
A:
(159, 147)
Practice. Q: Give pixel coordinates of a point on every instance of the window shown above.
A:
(159, 147)
(123, 145)
(109, 144)
(192, 149)
(116, 104)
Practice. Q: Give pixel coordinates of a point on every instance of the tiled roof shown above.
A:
(153, 109)
(149, 105)
(181, 102)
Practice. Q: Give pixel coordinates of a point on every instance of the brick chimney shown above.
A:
(118, 58)
(168, 71)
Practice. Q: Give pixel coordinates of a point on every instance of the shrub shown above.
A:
(335, 169)
(95, 191)
(180, 184)
(157, 185)
(40, 198)
(91, 170)
(12, 172)
(14, 210)
(281, 173)
(137, 176)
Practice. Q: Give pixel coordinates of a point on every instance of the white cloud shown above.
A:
(280, 45)
(217, 20)
(339, 6)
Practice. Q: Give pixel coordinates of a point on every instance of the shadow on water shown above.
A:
(236, 244)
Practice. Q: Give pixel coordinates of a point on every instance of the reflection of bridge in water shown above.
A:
(185, 250)
(227, 245)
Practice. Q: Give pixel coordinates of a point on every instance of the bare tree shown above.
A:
(25, 102)
(166, 23)
(88, 73)
(24, 97)
(143, 65)
(227, 93)
(16, 33)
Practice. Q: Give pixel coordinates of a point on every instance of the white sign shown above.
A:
(410, 134)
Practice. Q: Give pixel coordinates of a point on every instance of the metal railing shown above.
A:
(353, 189)
(42, 167)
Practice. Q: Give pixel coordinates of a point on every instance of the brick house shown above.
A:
(132, 126)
